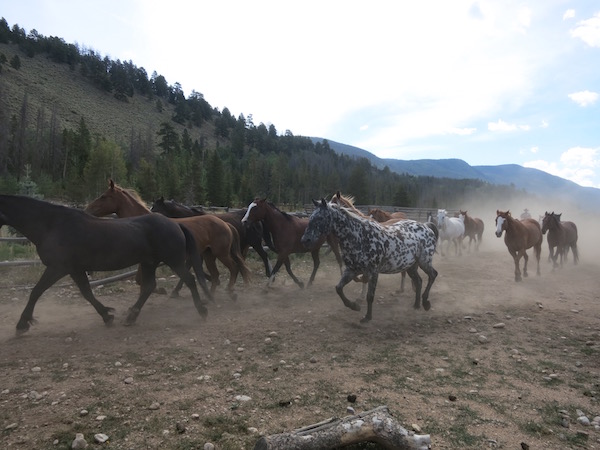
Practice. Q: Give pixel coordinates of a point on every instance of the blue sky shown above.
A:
(489, 82)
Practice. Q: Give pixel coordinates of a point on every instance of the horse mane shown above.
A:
(133, 194)
(283, 213)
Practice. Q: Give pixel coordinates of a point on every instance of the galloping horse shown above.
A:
(286, 231)
(383, 216)
(520, 235)
(214, 237)
(250, 236)
(452, 229)
(562, 235)
(348, 202)
(369, 248)
(473, 228)
(71, 242)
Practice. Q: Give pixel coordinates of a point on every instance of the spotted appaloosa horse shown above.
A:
(561, 236)
(519, 236)
(369, 248)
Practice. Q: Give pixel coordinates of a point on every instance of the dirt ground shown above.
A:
(493, 364)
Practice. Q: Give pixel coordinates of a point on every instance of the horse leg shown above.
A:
(147, 285)
(316, 264)
(265, 258)
(370, 297)
(525, 261)
(334, 245)
(233, 273)
(417, 283)
(432, 274)
(50, 276)
(288, 268)
(575, 253)
(211, 265)
(402, 281)
(186, 277)
(516, 257)
(537, 249)
(347, 277)
(82, 282)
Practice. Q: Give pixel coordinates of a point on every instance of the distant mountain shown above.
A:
(533, 181)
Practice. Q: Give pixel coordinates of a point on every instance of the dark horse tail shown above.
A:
(435, 230)
(195, 260)
(236, 254)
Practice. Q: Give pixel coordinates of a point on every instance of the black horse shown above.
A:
(251, 235)
(72, 242)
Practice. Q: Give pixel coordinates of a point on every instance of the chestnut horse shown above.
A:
(473, 228)
(71, 242)
(519, 236)
(250, 236)
(286, 231)
(383, 216)
(562, 236)
(215, 239)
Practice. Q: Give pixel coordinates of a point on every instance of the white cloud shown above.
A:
(501, 125)
(544, 124)
(462, 131)
(584, 98)
(588, 31)
(569, 14)
(577, 164)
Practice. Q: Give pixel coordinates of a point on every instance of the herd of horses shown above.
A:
(75, 242)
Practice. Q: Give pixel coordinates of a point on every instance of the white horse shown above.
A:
(452, 229)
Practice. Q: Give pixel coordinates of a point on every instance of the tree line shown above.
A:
(246, 161)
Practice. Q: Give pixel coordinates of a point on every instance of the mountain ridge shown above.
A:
(534, 181)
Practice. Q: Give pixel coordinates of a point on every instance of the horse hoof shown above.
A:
(354, 306)
(301, 285)
(365, 319)
(160, 291)
(132, 316)
(175, 294)
(426, 305)
(109, 320)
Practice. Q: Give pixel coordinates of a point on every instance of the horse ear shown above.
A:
(338, 194)
(323, 202)
(111, 183)
(316, 203)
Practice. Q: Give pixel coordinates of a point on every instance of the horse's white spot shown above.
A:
(499, 223)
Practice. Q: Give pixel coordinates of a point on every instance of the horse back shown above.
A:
(534, 232)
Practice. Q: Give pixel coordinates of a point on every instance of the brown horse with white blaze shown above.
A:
(520, 235)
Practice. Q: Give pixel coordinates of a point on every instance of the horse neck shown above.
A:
(513, 225)
(131, 207)
(28, 216)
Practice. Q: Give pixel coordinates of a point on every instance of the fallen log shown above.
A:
(376, 425)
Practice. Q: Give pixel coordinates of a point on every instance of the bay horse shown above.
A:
(71, 242)
(383, 216)
(369, 248)
(561, 236)
(251, 235)
(519, 236)
(452, 229)
(286, 231)
(215, 239)
(473, 228)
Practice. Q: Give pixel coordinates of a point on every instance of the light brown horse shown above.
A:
(286, 231)
(473, 228)
(382, 216)
(519, 236)
(561, 236)
(215, 239)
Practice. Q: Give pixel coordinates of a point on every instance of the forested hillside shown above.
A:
(70, 119)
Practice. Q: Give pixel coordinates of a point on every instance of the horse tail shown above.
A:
(236, 254)
(194, 257)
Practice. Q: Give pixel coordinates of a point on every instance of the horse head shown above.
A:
(319, 223)
(501, 221)
(550, 221)
(255, 211)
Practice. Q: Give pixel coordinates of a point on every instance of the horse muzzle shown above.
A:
(499, 234)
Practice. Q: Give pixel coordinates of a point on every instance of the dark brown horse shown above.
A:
(561, 237)
(215, 239)
(251, 235)
(286, 231)
(382, 216)
(71, 242)
(519, 236)
(473, 228)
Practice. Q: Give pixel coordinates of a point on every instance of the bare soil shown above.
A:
(174, 381)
